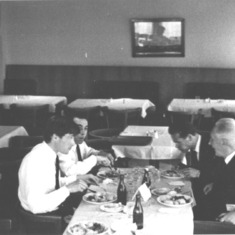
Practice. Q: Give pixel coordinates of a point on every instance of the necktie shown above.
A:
(57, 167)
(191, 157)
(79, 153)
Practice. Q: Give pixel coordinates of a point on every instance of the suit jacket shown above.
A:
(224, 188)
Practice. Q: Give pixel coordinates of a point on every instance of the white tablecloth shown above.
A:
(162, 147)
(6, 132)
(193, 106)
(158, 219)
(51, 101)
(113, 104)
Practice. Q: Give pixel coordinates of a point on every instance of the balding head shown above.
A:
(223, 137)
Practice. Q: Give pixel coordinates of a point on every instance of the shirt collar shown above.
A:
(197, 147)
(229, 157)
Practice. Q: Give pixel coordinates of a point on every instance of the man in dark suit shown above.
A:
(221, 193)
(198, 161)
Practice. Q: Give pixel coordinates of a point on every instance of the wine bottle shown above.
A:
(146, 178)
(121, 191)
(138, 213)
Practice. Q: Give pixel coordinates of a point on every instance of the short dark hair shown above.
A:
(182, 128)
(59, 126)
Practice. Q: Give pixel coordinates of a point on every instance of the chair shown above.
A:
(212, 227)
(216, 114)
(104, 133)
(20, 87)
(37, 224)
(33, 118)
(20, 141)
(122, 118)
(10, 161)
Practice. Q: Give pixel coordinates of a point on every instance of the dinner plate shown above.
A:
(88, 227)
(160, 191)
(108, 174)
(166, 200)
(112, 207)
(168, 174)
(99, 198)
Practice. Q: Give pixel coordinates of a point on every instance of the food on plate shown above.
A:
(172, 173)
(108, 174)
(87, 228)
(175, 199)
(99, 197)
(112, 207)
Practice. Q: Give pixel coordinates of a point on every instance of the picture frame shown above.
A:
(158, 37)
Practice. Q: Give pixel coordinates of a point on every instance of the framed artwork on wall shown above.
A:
(158, 37)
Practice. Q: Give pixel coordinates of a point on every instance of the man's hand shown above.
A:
(190, 172)
(207, 189)
(77, 186)
(89, 179)
(228, 217)
(107, 155)
(104, 161)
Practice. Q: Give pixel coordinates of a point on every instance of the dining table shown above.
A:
(158, 217)
(160, 148)
(202, 106)
(113, 104)
(6, 132)
(33, 100)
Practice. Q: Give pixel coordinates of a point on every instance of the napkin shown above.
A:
(144, 192)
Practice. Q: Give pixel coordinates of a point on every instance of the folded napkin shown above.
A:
(131, 140)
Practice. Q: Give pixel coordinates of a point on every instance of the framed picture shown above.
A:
(160, 37)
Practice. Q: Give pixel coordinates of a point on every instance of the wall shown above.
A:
(98, 33)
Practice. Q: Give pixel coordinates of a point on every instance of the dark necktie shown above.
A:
(79, 153)
(57, 167)
(191, 157)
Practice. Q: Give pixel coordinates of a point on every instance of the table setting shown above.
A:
(100, 213)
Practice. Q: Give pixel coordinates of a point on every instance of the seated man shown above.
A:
(221, 192)
(82, 158)
(198, 161)
(41, 189)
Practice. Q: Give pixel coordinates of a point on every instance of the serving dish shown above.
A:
(108, 174)
(175, 200)
(99, 198)
(172, 174)
(112, 207)
(160, 191)
(88, 228)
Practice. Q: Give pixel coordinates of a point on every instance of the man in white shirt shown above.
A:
(82, 158)
(41, 189)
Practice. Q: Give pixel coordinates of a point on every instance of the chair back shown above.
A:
(104, 133)
(20, 87)
(20, 141)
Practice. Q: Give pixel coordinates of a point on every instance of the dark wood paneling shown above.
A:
(78, 81)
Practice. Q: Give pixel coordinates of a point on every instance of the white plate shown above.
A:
(167, 176)
(160, 191)
(161, 199)
(108, 195)
(112, 207)
(177, 183)
(83, 228)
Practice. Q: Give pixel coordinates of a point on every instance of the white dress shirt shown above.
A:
(37, 181)
(70, 165)
(197, 150)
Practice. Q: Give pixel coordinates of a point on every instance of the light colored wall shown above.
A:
(97, 32)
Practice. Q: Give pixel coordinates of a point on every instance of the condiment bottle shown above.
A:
(146, 178)
(138, 213)
(121, 191)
